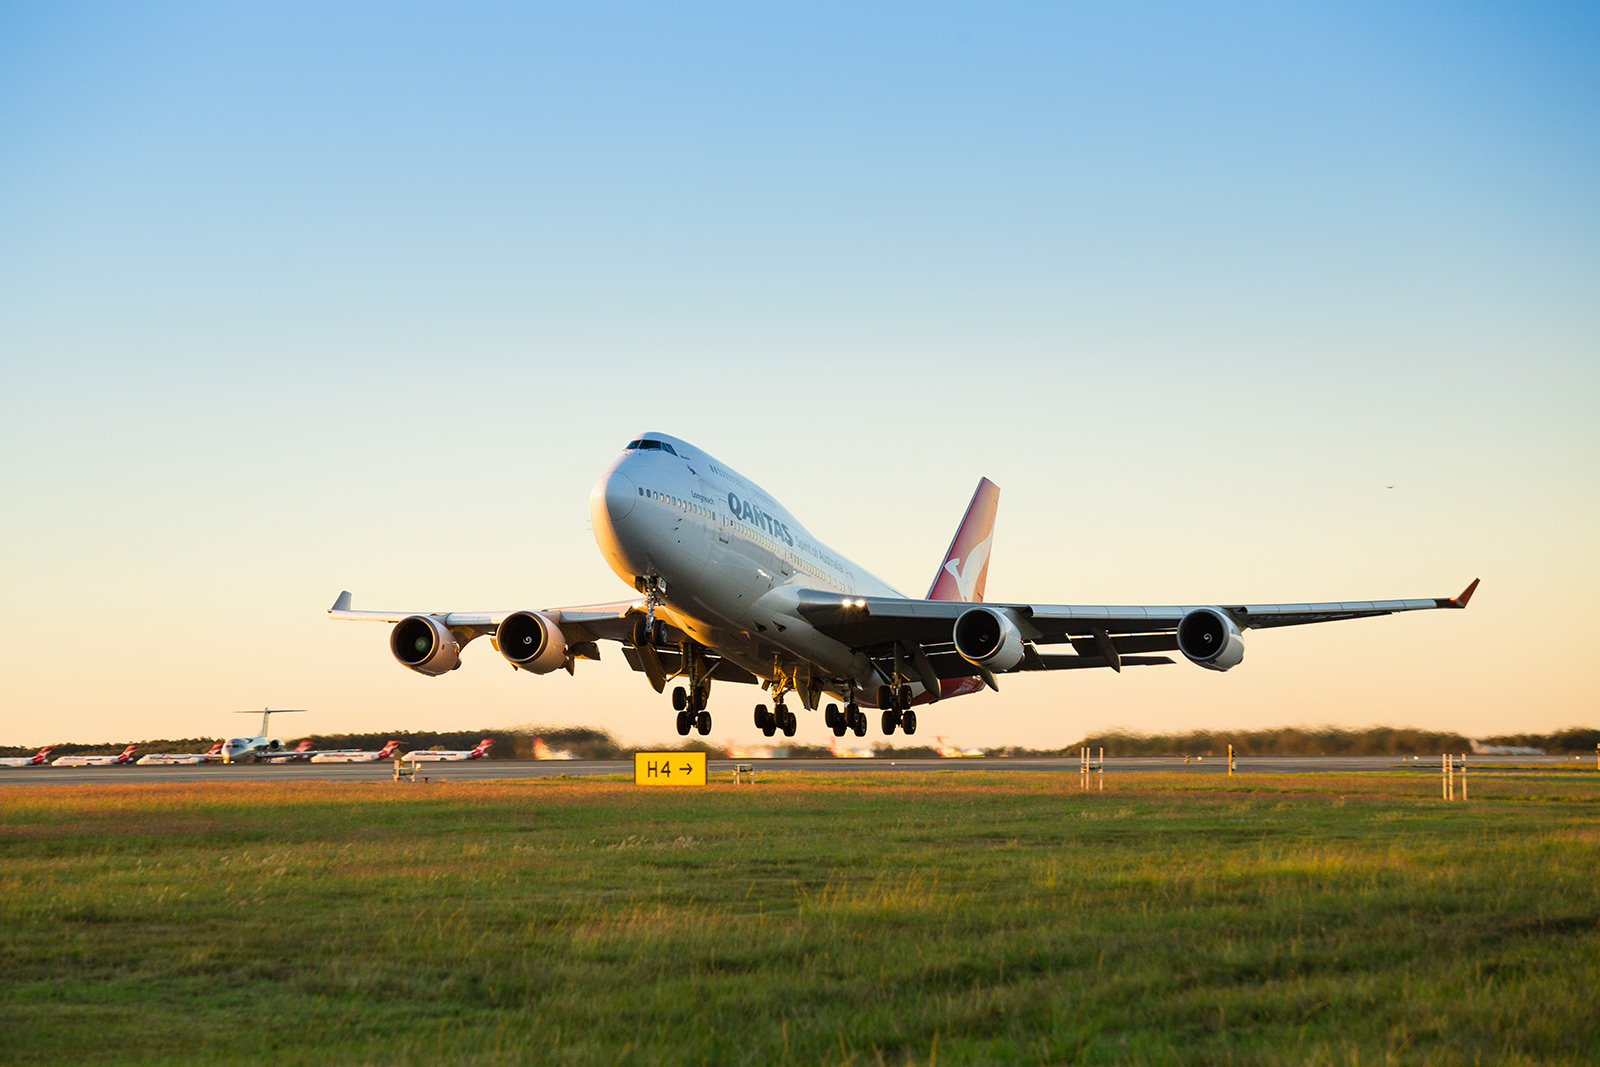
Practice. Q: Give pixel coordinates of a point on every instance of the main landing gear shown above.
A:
(691, 707)
(779, 718)
(897, 711)
(851, 718)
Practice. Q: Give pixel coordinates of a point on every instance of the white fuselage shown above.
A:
(732, 559)
(92, 761)
(251, 749)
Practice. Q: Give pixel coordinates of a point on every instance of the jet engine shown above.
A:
(989, 638)
(425, 644)
(1211, 639)
(532, 641)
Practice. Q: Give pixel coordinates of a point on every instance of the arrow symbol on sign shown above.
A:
(685, 768)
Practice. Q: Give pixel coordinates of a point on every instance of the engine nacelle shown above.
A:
(1211, 639)
(425, 644)
(989, 638)
(532, 641)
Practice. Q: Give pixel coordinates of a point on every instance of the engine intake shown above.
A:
(532, 642)
(989, 639)
(1211, 639)
(425, 644)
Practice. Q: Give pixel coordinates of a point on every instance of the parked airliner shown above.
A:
(353, 755)
(264, 749)
(167, 759)
(734, 589)
(438, 755)
(38, 759)
(125, 756)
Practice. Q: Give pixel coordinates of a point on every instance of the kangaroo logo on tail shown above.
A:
(966, 563)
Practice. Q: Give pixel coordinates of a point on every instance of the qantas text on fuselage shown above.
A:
(732, 588)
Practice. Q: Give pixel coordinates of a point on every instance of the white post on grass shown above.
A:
(1102, 768)
(1444, 776)
(1463, 776)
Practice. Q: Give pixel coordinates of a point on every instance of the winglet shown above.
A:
(1466, 595)
(342, 604)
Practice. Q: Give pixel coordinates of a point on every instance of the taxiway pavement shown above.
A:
(720, 767)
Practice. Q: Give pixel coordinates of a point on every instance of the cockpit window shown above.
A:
(646, 445)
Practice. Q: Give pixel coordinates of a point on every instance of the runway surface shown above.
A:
(717, 767)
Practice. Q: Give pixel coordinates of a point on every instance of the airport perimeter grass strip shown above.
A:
(950, 917)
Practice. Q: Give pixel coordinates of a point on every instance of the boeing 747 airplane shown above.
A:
(733, 589)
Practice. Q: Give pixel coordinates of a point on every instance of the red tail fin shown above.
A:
(966, 564)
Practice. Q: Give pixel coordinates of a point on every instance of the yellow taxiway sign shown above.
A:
(669, 768)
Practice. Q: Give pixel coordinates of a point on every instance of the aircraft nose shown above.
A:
(619, 496)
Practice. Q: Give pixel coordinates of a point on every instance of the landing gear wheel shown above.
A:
(702, 722)
(830, 715)
(683, 724)
(889, 719)
(908, 721)
(885, 697)
(905, 698)
(680, 699)
(701, 697)
(764, 721)
(858, 721)
(787, 722)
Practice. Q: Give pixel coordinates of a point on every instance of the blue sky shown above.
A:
(294, 299)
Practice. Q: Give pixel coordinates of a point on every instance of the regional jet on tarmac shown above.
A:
(264, 749)
(35, 760)
(438, 755)
(733, 589)
(125, 756)
(353, 755)
(167, 759)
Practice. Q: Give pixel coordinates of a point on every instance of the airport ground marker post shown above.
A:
(1463, 776)
(1088, 766)
(1230, 761)
(743, 771)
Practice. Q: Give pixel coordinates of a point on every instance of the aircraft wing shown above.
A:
(1101, 635)
(585, 622)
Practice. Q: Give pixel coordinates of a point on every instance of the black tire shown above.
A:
(908, 721)
(860, 725)
(680, 699)
(790, 723)
(683, 724)
(905, 698)
(761, 717)
(830, 715)
(702, 697)
(702, 722)
(888, 721)
(840, 725)
(885, 696)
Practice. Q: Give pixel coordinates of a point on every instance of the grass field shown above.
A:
(950, 917)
